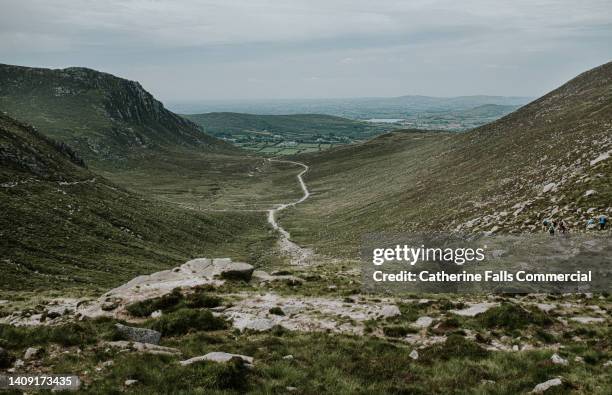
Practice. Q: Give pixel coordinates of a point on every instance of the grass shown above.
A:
(185, 320)
(325, 363)
(199, 298)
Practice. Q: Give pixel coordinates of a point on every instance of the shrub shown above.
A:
(511, 316)
(200, 300)
(276, 311)
(397, 330)
(455, 346)
(146, 307)
(185, 320)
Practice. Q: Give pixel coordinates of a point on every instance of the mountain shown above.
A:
(353, 108)
(297, 126)
(548, 159)
(103, 117)
(62, 226)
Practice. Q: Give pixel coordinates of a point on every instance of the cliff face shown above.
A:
(102, 116)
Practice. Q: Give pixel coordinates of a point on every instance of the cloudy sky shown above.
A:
(236, 49)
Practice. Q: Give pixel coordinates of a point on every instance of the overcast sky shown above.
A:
(235, 49)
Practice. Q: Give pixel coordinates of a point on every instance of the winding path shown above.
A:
(298, 255)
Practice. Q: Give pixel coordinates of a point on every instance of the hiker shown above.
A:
(590, 224)
(545, 224)
(602, 222)
(551, 228)
(562, 226)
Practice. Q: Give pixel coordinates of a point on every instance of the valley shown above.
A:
(145, 255)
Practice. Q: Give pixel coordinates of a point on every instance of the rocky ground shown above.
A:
(161, 314)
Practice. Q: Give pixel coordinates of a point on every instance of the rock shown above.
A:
(6, 359)
(140, 335)
(31, 353)
(548, 187)
(108, 364)
(607, 364)
(234, 270)
(109, 306)
(288, 357)
(143, 347)
(587, 320)
(291, 389)
(590, 192)
(217, 356)
(128, 383)
(557, 360)
(422, 322)
(540, 388)
(414, 354)
(156, 314)
(390, 311)
(254, 323)
(19, 363)
(579, 359)
(474, 309)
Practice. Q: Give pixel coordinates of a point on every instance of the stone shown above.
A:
(540, 388)
(234, 270)
(474, 309)
(156, 314)
(291, 389)
(288, 357)
(140, 335)
(414, 354)
(608, 364)
(557, 360)
(548, 187)
(390, 311)
(143, 347)
(31, 353)
(422, 322)
(128, 383)
(217, 356)
(590, 192)
(6, 359)
(587, 320)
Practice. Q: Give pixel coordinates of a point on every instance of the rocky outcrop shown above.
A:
(217, 356)
(139, 335)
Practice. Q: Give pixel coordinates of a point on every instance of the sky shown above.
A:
(182, 50)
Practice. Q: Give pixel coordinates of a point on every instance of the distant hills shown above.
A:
(103, 117)
(297, 126)
(353, 108)
(548, 159)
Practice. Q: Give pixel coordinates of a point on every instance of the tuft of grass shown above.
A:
(511, 316)
(164, 303)
(397, 330)
(276, 311)
(184, 320)
(455, 346)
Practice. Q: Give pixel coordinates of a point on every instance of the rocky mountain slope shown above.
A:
(64, 226)
(101, 116)
(549, 159)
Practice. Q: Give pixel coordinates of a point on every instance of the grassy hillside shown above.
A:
(61, 226)
(103, 117)
(542, 161)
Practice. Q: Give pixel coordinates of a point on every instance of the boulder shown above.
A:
(143, 347)
(140, 335)
(557, 360)
(422, 322)
(219, 357)
(234, 270)
(540, 388)
(128, 383)
(31, 353)
(414, 354)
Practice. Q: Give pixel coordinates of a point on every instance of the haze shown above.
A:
(257, 49)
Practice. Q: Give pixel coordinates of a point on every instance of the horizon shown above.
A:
(267, 50)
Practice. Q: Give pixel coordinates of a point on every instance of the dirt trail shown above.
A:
(297, 254)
